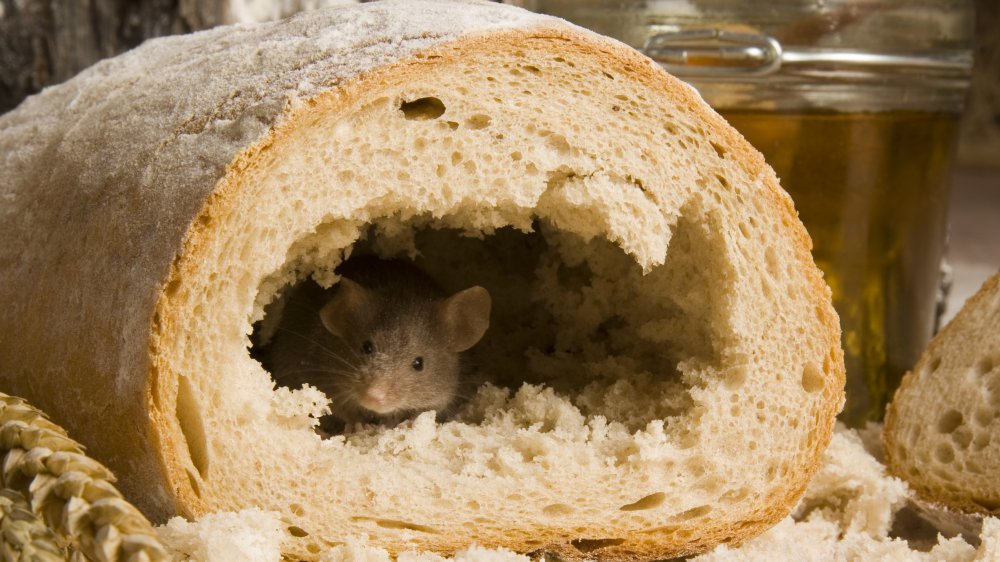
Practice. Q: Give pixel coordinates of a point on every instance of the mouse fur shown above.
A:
(384, 344)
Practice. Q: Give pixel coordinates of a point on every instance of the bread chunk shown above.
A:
(942, 429)
(665, 358)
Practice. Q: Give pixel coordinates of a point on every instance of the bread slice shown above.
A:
(664, 352)
(942, 429)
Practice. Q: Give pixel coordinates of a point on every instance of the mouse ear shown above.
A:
(464, 317)
(345, 309)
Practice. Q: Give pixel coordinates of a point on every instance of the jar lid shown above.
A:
(713, 52)
(797, 55)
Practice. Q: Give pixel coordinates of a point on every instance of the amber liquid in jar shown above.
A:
(872, 191)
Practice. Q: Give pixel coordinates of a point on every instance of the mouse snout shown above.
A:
(376, 397)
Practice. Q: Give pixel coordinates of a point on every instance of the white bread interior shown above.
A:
(942, 431)
(652, 283)
(846, 513)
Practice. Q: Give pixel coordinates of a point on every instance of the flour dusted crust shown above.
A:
(161, 199)
(942, 425)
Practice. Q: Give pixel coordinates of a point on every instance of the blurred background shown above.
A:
(881, 117)
(44, 42)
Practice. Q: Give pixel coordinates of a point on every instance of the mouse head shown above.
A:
(406, 350)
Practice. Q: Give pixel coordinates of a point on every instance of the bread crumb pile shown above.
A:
(846, 513)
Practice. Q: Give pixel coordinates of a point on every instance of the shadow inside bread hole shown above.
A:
(574, 319)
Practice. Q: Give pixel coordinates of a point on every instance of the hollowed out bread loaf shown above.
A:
(942, 429)
(664, 355)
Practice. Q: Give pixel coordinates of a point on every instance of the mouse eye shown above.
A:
(367, 347)
(418, 364)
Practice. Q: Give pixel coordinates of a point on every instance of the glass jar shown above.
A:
(855, 104)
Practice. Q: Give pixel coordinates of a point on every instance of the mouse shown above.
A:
(384, 344)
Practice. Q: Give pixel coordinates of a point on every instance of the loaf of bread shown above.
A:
(664, 354)
(942, 429)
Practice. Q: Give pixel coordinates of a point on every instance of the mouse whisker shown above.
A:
(322, 348)
(320, 371)
(294, 303)
(350, 349)
(342, 403)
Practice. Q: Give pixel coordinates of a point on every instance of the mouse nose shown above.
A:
(376, 398)
(376, 394)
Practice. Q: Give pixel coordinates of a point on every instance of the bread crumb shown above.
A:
(288, 406)
(846, 514)
(357, 549)
(250, 534)
(853, 489)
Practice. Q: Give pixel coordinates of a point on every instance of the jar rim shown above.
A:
(714, 52)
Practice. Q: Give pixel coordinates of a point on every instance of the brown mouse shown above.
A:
(384, 344)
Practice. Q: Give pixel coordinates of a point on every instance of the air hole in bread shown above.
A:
(297, 531)
(991, 392)
(646, 502)
(695, 512)
(478, 121)
(189, 417)
(962, 437)
(944, 453)
(396, 524)
(721, 151)
(193, 480)
(734, 496)
(812, 378)
(735, 378)
(772, 262)
(557, 509)
(590, 545)
(949, 421)
(422, 109)
(766, 290)
(989, 504)
(981, 441)
(984, 365)
(934, 365)
(983, 416)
